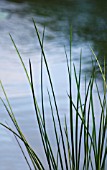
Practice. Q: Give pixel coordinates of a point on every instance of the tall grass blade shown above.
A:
(49, 76)
(40, 123)
(56, 134)
(68, 145)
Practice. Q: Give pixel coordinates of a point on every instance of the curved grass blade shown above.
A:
(49, 76)
(33, 156)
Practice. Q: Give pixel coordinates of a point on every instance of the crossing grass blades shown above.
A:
(71, 142)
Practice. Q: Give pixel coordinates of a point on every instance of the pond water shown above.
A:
(89, 28)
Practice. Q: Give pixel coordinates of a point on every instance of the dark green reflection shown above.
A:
(87, 17)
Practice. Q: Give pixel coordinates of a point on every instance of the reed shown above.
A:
(76, 141)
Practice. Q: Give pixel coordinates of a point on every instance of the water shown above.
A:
(89, 25)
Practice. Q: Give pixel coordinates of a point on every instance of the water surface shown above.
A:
(89, 28)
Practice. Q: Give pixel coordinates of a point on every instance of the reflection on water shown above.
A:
(88, 20)
(89, 24)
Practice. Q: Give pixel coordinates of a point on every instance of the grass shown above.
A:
(83, 146)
